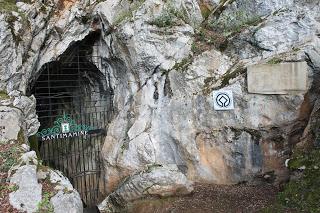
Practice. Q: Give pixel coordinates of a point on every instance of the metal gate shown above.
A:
(74, 104)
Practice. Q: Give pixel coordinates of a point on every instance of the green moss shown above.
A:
(296, 49)
(183, 65)
(275, 208)
(275, 60)
(302, 194)
(9, 157)
(43, 9)
(3, 95)
(11, 152)
(13, 187)
(11, 19)
(85, 19)
(123, 16)
(232, 73)
(67, 191)
(235, 22)
(205, 11)
(21, 138)
(41, 167)
(8, 5)
(153, 166)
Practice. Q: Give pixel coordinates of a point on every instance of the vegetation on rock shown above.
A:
(3, 95)
(9, 155)
(304, 192)
(45, 205)
(301, 194)
(8, 5)
(129, 13)
(234, 22)
(170, 16)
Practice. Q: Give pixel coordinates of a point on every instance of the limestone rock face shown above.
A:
(156, 180)
(17, 115)
(28, 195)
(286, 29)
(28, 175)
(10, 122)
(38, 34)
(67, 202)
(168, 118)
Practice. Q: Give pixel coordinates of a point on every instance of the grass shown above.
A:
(9, 155)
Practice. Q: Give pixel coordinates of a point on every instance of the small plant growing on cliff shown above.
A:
(128, 14)
(170, 16)
(275, 60)
(234, 22)
(3, 95)
(206, 39)
(8, 5)
(8, 156)
(45, 206)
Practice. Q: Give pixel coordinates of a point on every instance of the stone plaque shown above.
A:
(280, 78)
(223, 100)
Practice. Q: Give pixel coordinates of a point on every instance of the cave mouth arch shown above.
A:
(74, 106)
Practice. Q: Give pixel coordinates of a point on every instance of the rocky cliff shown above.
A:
(164, 60)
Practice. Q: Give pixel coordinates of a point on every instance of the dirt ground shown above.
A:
(212, 198)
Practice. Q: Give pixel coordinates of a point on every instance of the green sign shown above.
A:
(64, 127)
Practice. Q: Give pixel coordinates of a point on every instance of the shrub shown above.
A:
(234, 22)
(45, 206)
(8, 5)
(301, 194)
(170, 16)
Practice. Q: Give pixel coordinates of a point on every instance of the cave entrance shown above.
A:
(74, 105)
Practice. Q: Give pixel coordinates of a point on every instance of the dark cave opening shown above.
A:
(74, 106)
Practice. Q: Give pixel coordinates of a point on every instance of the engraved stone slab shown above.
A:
(280, 78)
